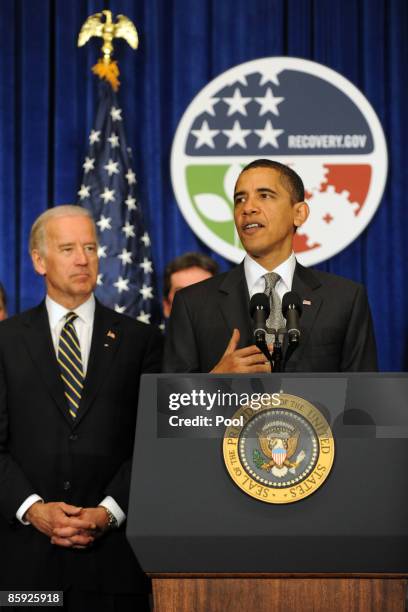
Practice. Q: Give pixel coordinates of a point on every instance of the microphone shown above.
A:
(259, 309)
(292, 310)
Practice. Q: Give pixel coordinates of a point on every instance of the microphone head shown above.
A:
(259, 301)
(291, 299)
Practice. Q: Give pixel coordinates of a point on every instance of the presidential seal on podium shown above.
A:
(281, 454)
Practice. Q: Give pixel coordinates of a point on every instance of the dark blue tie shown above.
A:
(70, 362)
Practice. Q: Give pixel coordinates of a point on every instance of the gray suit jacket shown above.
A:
(336, 328)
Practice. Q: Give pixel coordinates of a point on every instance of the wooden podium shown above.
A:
(279, 593)
(209, 547)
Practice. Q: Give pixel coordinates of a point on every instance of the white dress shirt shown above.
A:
(83, 326)
(254, 275)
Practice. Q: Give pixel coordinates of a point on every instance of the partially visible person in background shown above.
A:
(3, 303)
(185, 270)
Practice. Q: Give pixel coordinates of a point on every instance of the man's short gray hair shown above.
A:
(38, 234)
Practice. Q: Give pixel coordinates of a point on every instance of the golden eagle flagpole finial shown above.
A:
(106, 68)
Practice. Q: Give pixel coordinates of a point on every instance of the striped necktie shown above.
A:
(70, 362)
(275, 320)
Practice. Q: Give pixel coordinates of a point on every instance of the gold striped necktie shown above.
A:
(70, 362)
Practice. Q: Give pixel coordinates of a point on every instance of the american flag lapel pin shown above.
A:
(109, 334)
(307, 303)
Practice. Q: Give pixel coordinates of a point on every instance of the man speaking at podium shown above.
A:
(69, 380)
(210, 327)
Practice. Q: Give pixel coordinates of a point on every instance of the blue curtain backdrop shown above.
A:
(48, 102)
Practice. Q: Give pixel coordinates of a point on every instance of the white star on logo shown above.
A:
(131, 177)
(268, 135)
(146, 292)
(131, 203)
(145, 239)
(205, 136)
(108, 195)
(128, 230)
(115, 113)
(84, 191)
(113, 140)
(268, 76)
(236, 136)
(146, 265)
(102, 251)
(89, 164)
(208, 107)
(269, 103)
(99, 280)
(121, 284)
(94, 136)
(104, 223)
(125, 257)
(120, 309)
(144, 317)
(237, 103)
(112, 167)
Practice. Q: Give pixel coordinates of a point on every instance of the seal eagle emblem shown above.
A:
(280, 454)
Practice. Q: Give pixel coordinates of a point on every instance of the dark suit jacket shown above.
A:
(43, 451)
(336, 328)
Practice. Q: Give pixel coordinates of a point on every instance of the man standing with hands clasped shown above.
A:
(69, 379)
(210, 327)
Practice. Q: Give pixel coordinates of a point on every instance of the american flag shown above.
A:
(126, 280)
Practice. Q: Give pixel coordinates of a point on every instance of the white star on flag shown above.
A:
(145, 239)
(146, 292)
(129, 230)
(120, 309)
(102, 251)
(84, 191)
(131, 203)
(131, 177)
(99, 280)
(89, 164)
(268, 135)
(237, 103)
(112, 167)
(147, 265)
(236, 136)
(113, 140)
(144, 317)
(94, 136)
(269, 103)
(205, 136)
(121, 284)
(104, 223)
(108, 195)
(116, 113)
(125, 257)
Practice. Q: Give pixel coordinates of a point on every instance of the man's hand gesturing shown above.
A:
(248, 359)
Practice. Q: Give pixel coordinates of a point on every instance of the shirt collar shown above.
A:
(56, 312)
(254, 271)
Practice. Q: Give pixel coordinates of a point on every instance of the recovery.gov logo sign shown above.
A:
(294, 111)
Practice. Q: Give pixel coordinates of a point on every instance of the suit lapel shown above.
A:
(234, 304)
(304, 284)
(38, 339)
(106, 339)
